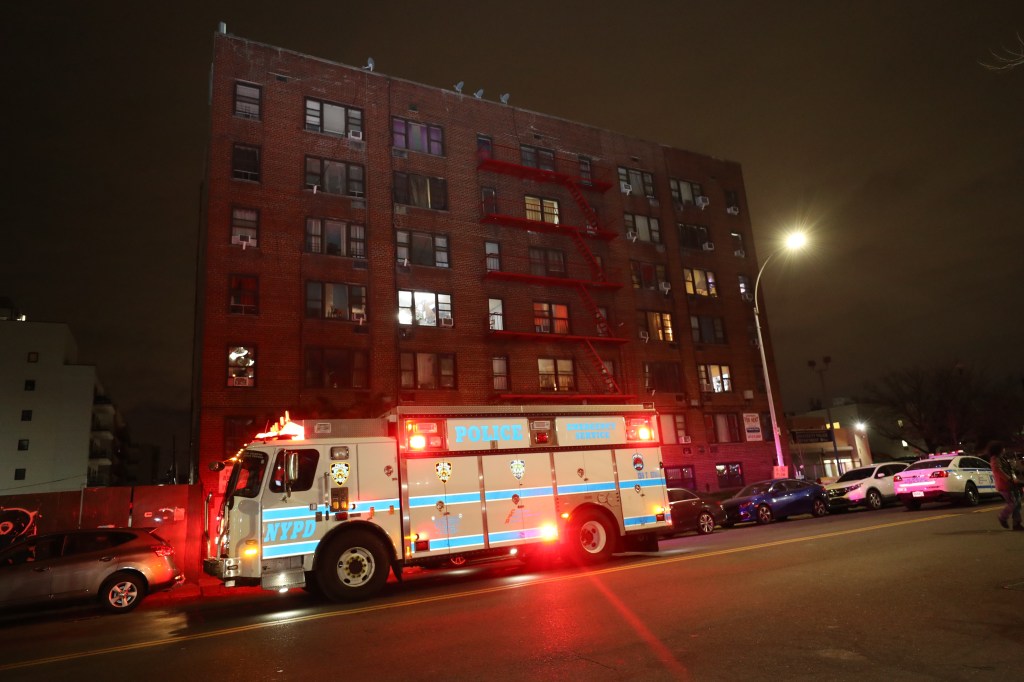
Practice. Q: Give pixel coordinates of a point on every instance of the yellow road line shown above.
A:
(468, 593)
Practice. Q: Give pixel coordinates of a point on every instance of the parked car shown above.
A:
(868, 486)
(777, 498)
(116, 566)
(948, 477)
(691, 512)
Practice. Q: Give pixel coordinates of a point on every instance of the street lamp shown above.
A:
(825, 362)
(794, 241)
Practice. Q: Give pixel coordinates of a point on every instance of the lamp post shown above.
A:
(826, 360)
(793, 242)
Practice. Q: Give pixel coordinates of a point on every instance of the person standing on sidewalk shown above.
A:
(1007, 485)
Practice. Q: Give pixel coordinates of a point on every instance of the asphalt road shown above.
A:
(894, 595)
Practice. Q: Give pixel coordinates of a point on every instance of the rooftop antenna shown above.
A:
(458, 86)
(479, 93)
(369, 64)
(504, 98)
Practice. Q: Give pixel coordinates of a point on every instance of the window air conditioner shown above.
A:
(631, 236)
(687, 439)
(703, 201)
(399, 153)
(644, 336)
(400, 209)
(665, 287)
(740, 253)
(355, 134)
(241, 381)
(708, 246)
(626, 188)
(446, 320)
(733, 210)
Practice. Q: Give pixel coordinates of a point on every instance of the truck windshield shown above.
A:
(247, 476)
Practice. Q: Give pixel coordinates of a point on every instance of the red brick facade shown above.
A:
(261, 97)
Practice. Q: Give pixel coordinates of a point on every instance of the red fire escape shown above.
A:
(507, 161)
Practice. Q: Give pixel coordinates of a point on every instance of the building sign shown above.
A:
(752, 426)
(811, 435)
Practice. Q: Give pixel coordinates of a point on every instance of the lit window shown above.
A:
(714, 378)
(541, 210)
(424, 308)
(241, 366)
(556, 374)
(550, 318)
(642, 227)
(700, 282)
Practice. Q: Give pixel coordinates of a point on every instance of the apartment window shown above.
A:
(730, 475)
(603, 321)
(26, 415)
(737, 244)
(547, 262)
(556, 374)
(663, 376)
(335, 300)
(417, 137)
(243, 294)
(679, 427)
(541, 210)
(707, 329)
(537, 157)
(335, 238)
(746, 290)
(489, 201)
(658, 325)
(495, 314)
(421, 191)
(335, 368)
(242, 367)
(722, 428)
(492, 251)
(642, 227)
(23, 444)
(484, 147)
(424, 308)
(647, 275)
(550, 318)
(336, 119)
(335, 177)
(640, 182)
(19, 474)
(586, 170)
(684, 192)
(681, 477)
(422, 248)
(693, 236)
(732, 199)
(32, 356)
(238, 431)
(30, 384)
(247, 100)
(700, 282)
(245, 162)
(428, 370)
(714, 378)
(245, 226)
(499, 373)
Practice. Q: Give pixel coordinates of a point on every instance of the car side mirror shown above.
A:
(216, 466)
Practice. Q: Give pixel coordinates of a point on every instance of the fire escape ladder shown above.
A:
(600, 321)
(590, 216)
(610, 384)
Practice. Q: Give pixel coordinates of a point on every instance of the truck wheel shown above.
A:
(590, 539)
(122, 592)
(353, 566)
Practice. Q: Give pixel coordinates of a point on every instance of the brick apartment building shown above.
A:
(371, 242)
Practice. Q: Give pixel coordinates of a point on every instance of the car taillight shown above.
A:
(940, 474)
(897, 477)
(163, 550)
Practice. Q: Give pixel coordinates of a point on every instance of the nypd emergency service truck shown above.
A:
(334, 505)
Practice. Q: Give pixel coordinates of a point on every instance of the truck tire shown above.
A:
(354, 566)
(590, 539)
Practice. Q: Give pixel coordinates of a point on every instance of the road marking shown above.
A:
(468, 593)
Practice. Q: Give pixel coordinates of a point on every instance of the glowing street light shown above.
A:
(793, 242)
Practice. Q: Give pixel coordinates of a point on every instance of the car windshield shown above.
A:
(855, 475)
(755, 489)
(930, 464)
(248, 474)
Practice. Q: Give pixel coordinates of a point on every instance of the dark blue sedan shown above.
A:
(778, 498)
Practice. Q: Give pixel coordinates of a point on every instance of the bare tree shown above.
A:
(1007, 57)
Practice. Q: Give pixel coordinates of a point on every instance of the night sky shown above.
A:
(871, 124)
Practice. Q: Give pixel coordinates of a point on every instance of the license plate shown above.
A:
(918, 493)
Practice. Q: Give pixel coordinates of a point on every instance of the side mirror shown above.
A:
(216, 466)
(291, 466)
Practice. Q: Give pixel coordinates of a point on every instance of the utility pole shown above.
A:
(825, 362)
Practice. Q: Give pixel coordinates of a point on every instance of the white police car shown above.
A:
(868, 486)
(947, 477)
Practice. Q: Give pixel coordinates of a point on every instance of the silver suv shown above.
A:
(868, 486)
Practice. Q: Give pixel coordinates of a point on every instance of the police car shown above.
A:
(947, 477)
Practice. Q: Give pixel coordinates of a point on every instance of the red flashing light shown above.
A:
(940, 474)
(540, 436)
(163, 550)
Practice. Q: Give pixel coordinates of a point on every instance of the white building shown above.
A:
(46, 409)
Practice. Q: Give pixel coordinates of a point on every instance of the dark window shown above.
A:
(243, 294)
(307, 471)
(707, 329)
(335, 177)
(23, 444)
(32, 356)
(499, 372)
(489, 200)
(537, 157)
(335, 368)
(428, 370)
(663, 376)
(245, 163)
(324, 117)
(245, 226)
(19, 474)
(586, 170)
(421, 191)
(684, 192)
(30, 384)
(695, 237)
(647, 275)
(335, 238)
(247, 100)
(484, 148)
(722, 428)
(26, 415)
(237, 432)
(681, 477)
(730, 475)
(642, 227)
(636, 181)
(335, 300)
(547, 262)
(493, 252)
(417, 137)
(422, 248)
